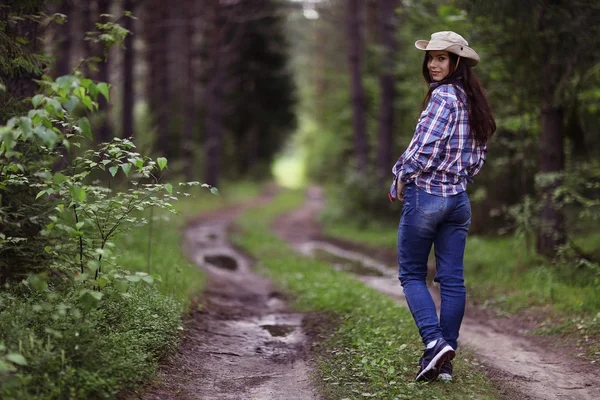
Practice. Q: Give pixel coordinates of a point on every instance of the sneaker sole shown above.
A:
(445, 377)
(446, 354)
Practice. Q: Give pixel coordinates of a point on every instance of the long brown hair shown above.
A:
(481, 119)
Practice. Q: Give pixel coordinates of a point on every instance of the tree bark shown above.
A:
(388, 20)
(551, 232)
(213, 99)
(190, 102)
(164, 141)
(361, 149)
(127, 127)
(104, 130)
(62, 65)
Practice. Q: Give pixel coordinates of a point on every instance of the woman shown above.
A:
(447, 150)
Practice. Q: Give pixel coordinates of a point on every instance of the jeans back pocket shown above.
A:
(429, 204)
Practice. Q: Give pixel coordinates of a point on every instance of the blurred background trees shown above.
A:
(219, 87)
(542, 77)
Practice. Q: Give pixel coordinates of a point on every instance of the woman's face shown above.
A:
(438, 64)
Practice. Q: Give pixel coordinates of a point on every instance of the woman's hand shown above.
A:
(400, 190)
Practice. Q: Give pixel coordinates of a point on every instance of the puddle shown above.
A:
(345, 264)
(222, 261)
(278, 330)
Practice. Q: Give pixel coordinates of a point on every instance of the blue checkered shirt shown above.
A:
(442, 155)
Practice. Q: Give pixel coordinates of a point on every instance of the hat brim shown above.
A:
(461, 50)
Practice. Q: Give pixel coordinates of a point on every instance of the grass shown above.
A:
(372, 350)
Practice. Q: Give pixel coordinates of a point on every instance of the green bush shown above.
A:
(93, 355)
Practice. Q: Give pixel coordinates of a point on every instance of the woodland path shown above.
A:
(521, 366)
(241, 340)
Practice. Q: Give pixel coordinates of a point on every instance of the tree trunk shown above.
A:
(388, 20)
(551, 232)
(128, 100)
(62, 65)
(104, 130)
(190, 101)
(552, 219)
(361, 150)
(164, 81)
(213, 99)
(151, 34)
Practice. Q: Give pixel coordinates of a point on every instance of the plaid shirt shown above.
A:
(442, 155)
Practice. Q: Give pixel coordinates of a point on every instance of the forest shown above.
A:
(125, 122)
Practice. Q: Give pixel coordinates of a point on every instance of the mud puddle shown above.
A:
(518, 366)
(241, 341)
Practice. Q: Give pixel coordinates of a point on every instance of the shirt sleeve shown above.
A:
(435, 124)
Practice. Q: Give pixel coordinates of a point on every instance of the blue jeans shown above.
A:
(444, 223)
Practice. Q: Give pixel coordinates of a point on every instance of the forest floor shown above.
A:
(241, 340)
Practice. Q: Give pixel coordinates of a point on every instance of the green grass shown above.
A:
(373, 349)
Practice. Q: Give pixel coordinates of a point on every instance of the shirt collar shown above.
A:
(456, 82)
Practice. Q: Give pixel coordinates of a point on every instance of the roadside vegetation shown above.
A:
(368, 346)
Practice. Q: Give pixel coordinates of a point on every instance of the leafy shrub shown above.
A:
(92, 355)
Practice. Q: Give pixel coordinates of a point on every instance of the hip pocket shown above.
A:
(428, 204)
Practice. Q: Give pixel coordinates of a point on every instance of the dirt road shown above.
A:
(241, 341)
(519, 365)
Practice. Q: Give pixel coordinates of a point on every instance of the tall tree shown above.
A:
(355, 48)
(213, 95)
(388, 20)
(164, 140)
(127, 128)
(260, 89)
(190, 119)
(62, 65)
(104, 133)
(550, 40)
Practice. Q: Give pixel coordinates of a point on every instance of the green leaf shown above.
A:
(139, 163)
(79, 225)
(104, 89)
(113, 170)
(5, 367)
(40, 194)
(16, 358)
(37, 100)
(90, 299)
(162, 162)
(126, 168)
(86, 130)
(78, 193)
(59, 178)
(133, 278)
(88, 103)
(148, 279)
(214, 191)
(102, 281)
(169, 188)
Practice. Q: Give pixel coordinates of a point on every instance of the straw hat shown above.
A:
(451, 42)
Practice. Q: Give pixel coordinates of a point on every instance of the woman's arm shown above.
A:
(436, 124)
